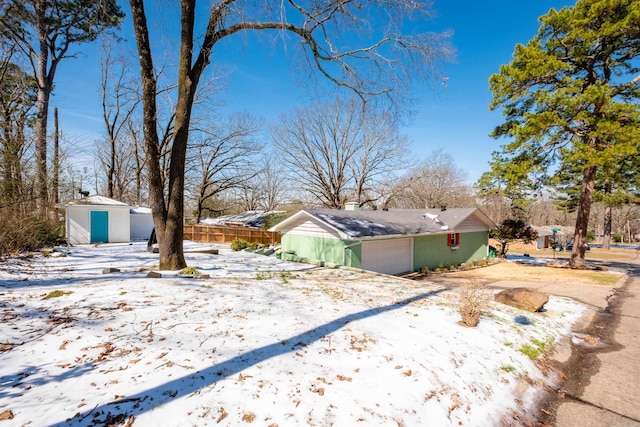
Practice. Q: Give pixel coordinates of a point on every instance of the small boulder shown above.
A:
(153, 275)
(110, 270)
(523, 298)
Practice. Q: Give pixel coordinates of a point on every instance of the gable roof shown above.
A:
(96, 200)
(393, 222)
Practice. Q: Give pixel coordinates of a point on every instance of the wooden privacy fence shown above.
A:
(226, 234)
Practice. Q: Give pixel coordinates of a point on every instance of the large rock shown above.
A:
(524, 298)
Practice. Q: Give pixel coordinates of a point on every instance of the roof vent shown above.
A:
(443, 207)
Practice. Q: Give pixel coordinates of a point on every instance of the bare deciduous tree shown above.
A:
(358, 45)
(118, 105)
(273, 185)
(135, 141)
(335, 151)
(224, 157)
(436, 182)
(266, 190)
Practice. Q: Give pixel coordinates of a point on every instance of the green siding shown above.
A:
(433, 251)
(322, 249)
(428, 251)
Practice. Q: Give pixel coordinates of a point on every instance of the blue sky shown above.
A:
(455, 118)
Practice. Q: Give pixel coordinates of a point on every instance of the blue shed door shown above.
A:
(99, 226)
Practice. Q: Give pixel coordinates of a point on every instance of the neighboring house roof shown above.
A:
(249, 219)
(547, 230)
(542, 231)
(96, 200)
(393, 222)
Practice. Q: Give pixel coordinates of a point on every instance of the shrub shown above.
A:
(26, 233)
(473, 300)
(239, 244)
(189, 271)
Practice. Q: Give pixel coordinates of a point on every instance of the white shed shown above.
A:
(97, 219)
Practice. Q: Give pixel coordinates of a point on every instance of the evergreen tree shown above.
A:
(44, 31)
(570, 97)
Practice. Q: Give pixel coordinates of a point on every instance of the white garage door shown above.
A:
(388, 256)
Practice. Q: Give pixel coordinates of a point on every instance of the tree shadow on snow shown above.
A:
(150, 399)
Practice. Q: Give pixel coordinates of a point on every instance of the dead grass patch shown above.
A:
(507, 270)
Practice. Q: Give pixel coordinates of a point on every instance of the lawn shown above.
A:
(257, 341)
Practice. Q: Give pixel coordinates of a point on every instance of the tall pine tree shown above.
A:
(570, 97)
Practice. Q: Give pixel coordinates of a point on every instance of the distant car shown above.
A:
(557, 247)
(568, 247)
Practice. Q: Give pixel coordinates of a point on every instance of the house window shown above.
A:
(453, 239)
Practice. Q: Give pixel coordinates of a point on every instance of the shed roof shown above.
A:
(96, 200)
(140, 210)
(373, 223)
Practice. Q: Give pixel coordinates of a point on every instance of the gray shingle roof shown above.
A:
(369, 223)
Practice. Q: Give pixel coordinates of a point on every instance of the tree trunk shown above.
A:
(502, 252)
(8, 183)
(150, 133)
(582, 220)
(199, 209)
(111, 170)
(41, 149)
(606, 239)
(56, 159)
(168, 218)
(138, 176)
(42, 110)
(172, 258)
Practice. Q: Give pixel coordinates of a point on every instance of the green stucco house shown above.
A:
(392, 241)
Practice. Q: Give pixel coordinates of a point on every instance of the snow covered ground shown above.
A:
(261, 341)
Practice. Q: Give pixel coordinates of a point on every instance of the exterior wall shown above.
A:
(329, 250)
(141, 226)
(433, 252)
(428, 251)
(542, 242)
(119, 224)
(471, 224)
(307, 226)
(79, 223)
